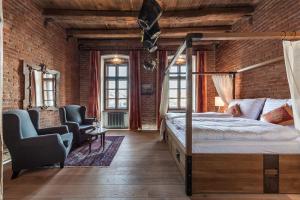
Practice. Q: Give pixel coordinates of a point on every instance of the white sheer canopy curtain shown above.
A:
(164, 100)
(224, 86)
(292, 63)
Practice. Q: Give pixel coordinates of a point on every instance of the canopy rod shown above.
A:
(212, 73)
(176, 56)
(251, 67)
(283, 35)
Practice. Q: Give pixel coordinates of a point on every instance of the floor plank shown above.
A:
(143, 169)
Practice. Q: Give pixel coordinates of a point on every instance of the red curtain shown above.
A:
(200, 81)
(94, 91)
(162, 63)
(135, 91)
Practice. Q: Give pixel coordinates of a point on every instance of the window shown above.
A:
(116, 85)
(49, 89)
(177, 85)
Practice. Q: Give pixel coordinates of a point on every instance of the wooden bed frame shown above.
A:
(237, 173)
(230, 173)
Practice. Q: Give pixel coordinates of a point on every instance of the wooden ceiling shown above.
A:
(111, 19)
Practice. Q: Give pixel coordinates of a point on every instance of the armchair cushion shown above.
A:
(89, 121)
(59, 129)
(73, 113)
(85, 127)
(67, 139)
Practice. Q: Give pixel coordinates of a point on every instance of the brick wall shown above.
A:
(148, 102)
(271, 80)
(210, 88)
(26, 38)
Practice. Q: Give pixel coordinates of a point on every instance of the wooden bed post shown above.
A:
(189, 110)
(1, 96)
(233, 85)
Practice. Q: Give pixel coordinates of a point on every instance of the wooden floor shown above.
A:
(142, 169)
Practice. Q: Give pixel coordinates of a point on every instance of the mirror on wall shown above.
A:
(41, 87)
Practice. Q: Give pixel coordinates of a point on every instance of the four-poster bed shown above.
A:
(238, 172)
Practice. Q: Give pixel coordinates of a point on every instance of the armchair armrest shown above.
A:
(89, 121)
(59, 129)
(72, 125)
(51, 141)
(45, 145)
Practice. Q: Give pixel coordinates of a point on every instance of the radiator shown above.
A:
(115, 120)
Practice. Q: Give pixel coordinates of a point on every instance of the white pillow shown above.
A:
(250, 108)
(272, 104)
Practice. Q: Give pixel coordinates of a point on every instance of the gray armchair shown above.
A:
(74, 116)
(30, 146)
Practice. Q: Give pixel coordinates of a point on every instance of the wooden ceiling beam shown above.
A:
(238, 10)
(129, 44)
(136, 33)
(136, 42)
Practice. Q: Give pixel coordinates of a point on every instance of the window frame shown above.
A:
(178, 77)
(45, 91)
(116, 79)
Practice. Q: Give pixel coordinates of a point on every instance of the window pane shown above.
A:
(173, 69)
(183, 93)
(111, 72)
(48, 75)
(122, 103)
(49, 103)
(122, 94)
(173, 103)
(48, 85)
(111, 94)
(122, 84)
(173, 93)
(183, 69)
(123, 71)
(48, 95)
(111, 103)
(111, 85)
(173, 84)
(182, 103)
(183, 84)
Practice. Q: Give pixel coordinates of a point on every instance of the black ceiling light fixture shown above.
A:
(150, 62)
(149, 44)
(148, 22)
(149, 14)
(154, 32)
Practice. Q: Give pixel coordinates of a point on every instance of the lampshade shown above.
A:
(149, 14)
(219, 102)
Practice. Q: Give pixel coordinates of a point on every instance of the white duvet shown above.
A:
(230, 128)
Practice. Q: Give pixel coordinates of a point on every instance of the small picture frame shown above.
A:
(147, 89)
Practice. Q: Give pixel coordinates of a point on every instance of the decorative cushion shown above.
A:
(250, 108)
(282, 115)
(272, 104)
(235, 110)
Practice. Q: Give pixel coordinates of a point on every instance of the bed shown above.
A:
(252, 156)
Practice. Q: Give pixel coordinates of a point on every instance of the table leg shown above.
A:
(90, 145)
(103, 141)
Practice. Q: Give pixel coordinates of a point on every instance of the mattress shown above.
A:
(237, 147)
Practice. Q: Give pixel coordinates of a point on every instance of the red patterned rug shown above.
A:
(81, 156)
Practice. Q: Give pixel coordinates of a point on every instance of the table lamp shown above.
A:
(219, 103)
